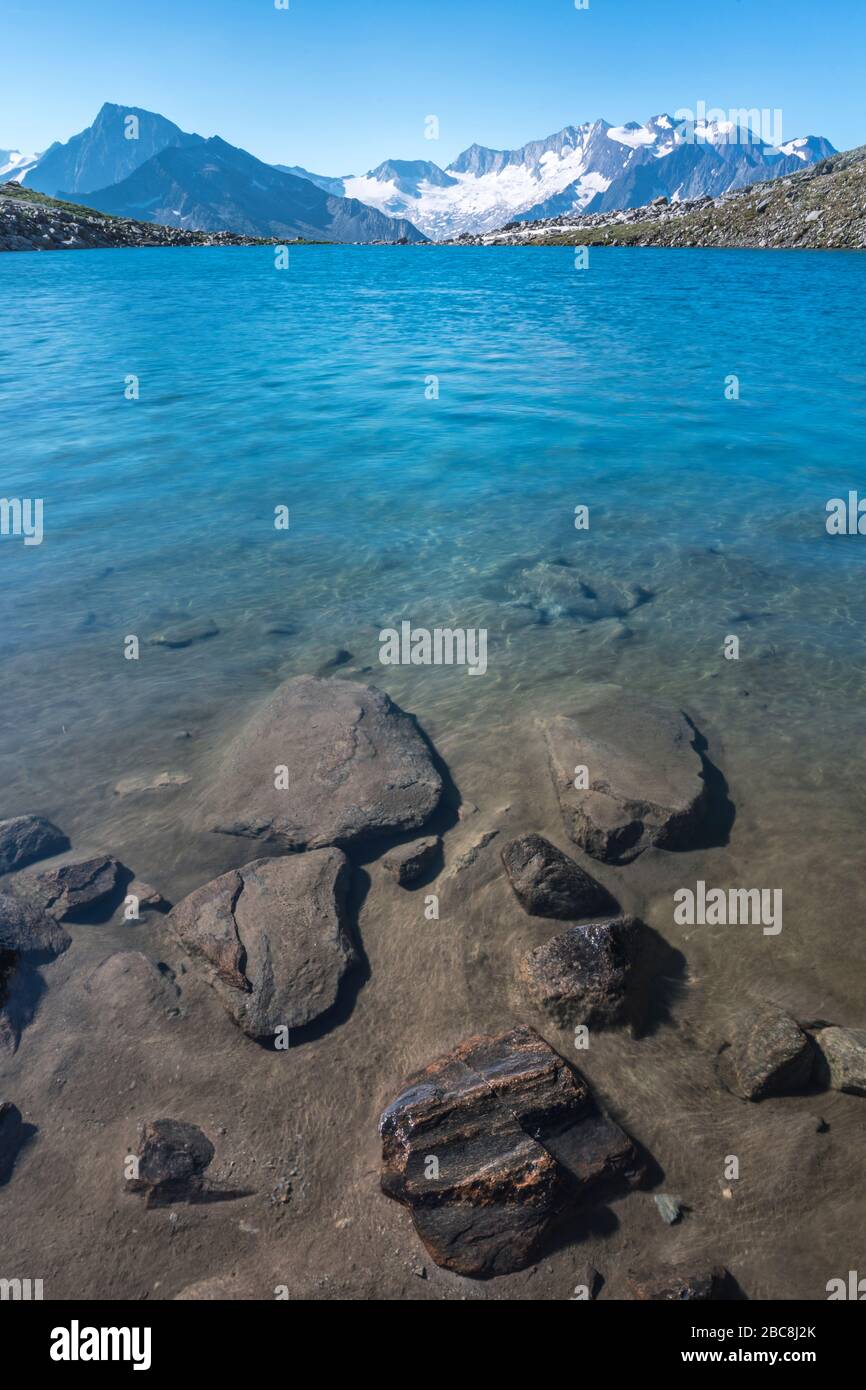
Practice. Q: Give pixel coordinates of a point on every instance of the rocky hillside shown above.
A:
(31, 221)
(820, 208)
(214, 186)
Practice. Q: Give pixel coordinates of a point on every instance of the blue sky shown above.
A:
(340, 85)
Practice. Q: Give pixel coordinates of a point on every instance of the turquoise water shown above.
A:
(305, 388)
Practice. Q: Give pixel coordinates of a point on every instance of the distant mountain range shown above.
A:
(212, 187)
(168, 175)
(594, 167)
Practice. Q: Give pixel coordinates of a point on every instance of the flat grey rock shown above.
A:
(844, 1052)
(356, 768)
(24, 839)
(582, 975)
(645, 778)
(768, 1055)
(72, 889)
(408, 863)
(548, 883)
(271, 938)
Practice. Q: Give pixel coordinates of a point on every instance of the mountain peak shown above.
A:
(104, 153)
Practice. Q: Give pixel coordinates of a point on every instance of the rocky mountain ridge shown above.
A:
(822, 207)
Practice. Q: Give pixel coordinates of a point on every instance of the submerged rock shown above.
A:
(127, 992)
(489, 1143)
(72, 889)
(843, 1051)
(342, 657)
(134, 786)
(550, 884)
(184, 634)
(24, 839)
(583, 974)
(272, 938)
(26, 930)
(408, 863)
(14, 1135)
(323, 762)
(698, 1285)
(28, 938)
(645, 779)
(149, 900)
(769, 1055)
(557, 589)
(172, 1157)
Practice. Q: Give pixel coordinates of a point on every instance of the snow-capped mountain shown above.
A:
(588, 168)
(14, 165)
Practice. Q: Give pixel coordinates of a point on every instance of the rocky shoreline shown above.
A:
(31, 221)
(500, 1143)
(822, 208)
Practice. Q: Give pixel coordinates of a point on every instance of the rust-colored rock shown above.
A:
(487, 1146)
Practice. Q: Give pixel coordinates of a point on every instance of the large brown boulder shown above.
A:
(271, 938)
(489, 1143)
(323, 762)
(645, 783)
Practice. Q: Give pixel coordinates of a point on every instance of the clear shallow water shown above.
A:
(557, 388)
(306, 387)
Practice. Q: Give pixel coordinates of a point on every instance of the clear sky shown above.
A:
(340, 85)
